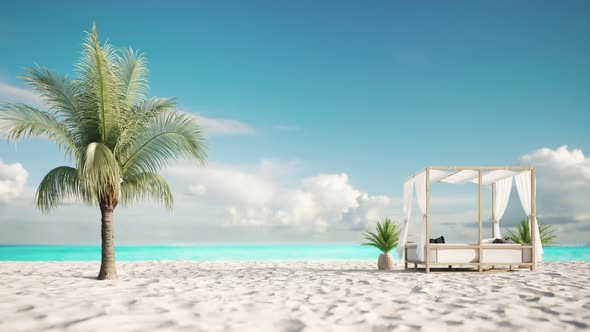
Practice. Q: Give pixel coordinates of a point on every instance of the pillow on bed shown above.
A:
(438, 240)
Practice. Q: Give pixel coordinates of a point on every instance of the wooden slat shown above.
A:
(482, 264)
(475, 246)
(479, 220)
(483, 168)
(533, 223)
(494, 235)
(414, 175)
(475, 168)
(427, 251)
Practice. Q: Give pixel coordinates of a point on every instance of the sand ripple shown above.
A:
(289, 296)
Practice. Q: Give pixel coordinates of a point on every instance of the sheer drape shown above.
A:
(420, 180)
(523, 185)
(408, 195)
(503, 188)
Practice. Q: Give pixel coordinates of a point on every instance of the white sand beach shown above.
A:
(289, 296)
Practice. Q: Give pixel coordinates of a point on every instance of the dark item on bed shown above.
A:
(438, 240)
(506, 239)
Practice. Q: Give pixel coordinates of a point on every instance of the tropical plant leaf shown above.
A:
(100, 174)
(100, 85)
(20, 121)
(146, 186)
(132, 74)
(386, 238)
(60, 184)
(139, 118)
(522, 234)
(57, 91)
(170, 136)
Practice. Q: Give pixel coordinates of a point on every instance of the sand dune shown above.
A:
(288, 296)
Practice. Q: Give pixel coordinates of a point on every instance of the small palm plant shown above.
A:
(522, 233)
(385, 240)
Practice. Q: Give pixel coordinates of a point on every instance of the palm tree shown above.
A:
(522, 233)
(116, 136)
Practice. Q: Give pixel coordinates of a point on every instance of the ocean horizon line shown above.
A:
(227, 244)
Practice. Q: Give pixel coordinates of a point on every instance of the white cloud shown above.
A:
(272, 201)
(223, 183)
(222, 126)
(13, 178)
(15, 94)
(259, 195)
(563, 184)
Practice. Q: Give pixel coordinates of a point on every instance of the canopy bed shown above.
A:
(484, 253)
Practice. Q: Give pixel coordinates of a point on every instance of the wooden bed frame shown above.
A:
(439, 255)
(480, 248)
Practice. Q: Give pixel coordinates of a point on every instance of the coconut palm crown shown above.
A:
(116, 136)
(522, 233)
(386, 237)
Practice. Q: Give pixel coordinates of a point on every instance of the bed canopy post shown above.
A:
(533, 223)
(427, 254)
(479, 180)
(494, 235)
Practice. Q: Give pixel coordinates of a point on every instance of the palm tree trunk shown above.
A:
(108, 269)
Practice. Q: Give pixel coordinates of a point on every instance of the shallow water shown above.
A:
(262, 252)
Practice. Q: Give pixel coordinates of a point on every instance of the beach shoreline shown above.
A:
(289, 296)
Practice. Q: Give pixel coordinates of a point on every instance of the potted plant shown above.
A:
(385, 240)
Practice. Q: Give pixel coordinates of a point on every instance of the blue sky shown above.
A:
(374, 89)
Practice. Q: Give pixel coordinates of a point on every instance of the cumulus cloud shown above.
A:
(249, 196)
(275, 200)
(13, 178)
(563, 184)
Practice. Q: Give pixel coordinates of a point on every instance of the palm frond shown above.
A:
(132, 73)
(152, 107)
(61, 183)
(139, 118)
(522, 234)
(146, 186)
(100, 86)
(100, 174)
(20, 121)
(170, 136)
(386, 238)
(57, 91)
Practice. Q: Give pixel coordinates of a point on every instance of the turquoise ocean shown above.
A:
(261, 252)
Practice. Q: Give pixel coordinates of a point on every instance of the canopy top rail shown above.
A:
(473, 168)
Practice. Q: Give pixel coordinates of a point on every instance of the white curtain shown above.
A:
(421, 197)
(523, 185)
(503, 188)
(408, 195)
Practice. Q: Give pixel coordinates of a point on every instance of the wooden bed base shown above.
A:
(479, 265)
